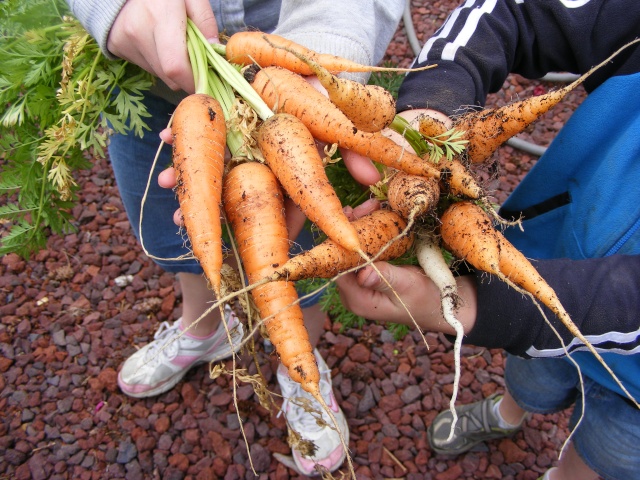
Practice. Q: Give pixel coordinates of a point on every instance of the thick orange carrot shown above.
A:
(412, 196)
(290, 93)
(292, 154)
(246, 48)
(328, 259)
(199, 139)
(254, 205)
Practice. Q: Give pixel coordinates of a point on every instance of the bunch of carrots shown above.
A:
(433, 202)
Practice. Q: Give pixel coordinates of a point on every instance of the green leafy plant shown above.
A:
(61, 99)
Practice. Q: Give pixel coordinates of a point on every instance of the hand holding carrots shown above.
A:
(152, 35)
(366, 294)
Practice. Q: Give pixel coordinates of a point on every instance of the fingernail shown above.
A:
(371, 279)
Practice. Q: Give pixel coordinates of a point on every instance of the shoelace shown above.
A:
(304, 420)
(162, 344)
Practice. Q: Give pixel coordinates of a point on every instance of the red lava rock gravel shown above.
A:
(76, 310)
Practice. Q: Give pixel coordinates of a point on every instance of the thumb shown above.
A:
(201, 13)
(371, 277)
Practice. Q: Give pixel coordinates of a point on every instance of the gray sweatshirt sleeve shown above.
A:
(359, 30)
(97, 18)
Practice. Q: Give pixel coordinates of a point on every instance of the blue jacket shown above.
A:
(582, 201)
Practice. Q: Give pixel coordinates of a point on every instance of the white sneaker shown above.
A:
(328, 451)
(161, 364)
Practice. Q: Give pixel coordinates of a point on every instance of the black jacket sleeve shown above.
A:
(482, 41)
(602, 297)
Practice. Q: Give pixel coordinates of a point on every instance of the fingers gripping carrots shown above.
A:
(254, 205)
(198, 156)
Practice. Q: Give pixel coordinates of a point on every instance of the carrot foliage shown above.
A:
(59, 97)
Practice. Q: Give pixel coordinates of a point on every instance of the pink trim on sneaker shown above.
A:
(333, 461)
(184, 361)
(135, 389)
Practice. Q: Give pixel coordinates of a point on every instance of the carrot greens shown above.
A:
(61, 98)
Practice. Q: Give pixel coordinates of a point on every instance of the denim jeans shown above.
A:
(608, 437)
(132, 158)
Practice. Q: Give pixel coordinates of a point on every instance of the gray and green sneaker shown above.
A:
(476, 424)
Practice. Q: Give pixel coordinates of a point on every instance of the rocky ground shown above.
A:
(70, 315)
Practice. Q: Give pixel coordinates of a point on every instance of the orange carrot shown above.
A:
(254, 205)
(328, 259)
(370, 107)
(412, 196)
(468, 233)
(486, 130)
(290, 93)
(246, 48)
(292, 154)
(199, 133)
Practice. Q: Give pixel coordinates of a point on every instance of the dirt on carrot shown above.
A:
(379, 229)
(371, 108)
(287, 92)
(291, 152)
(468, 232)
(199, 132)
(254, 204)
(412, 196)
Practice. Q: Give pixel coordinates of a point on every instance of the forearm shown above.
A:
(602, 297)
(477, 47)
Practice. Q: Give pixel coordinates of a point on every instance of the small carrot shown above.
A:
(290, 93)
(292, 154)
(412, 196)
(370, 107)
(468, 233)
(198, 129)
(430, 126)
(375, 231)
(252, 47)
(254, 204)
